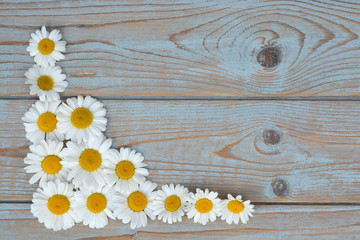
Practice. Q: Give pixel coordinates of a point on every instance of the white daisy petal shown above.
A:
(234, 209)
(40, 122)
(136, 205)
(79, 123)
(203, 206)
(170, 203)
(45, 161)
(85, 163)
(56, 210)
(94, 206)
(123, 172)
(46, 48)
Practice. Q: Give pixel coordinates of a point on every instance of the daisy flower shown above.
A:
(94, 206)
(85, 162)
(234, 209)
(40, 122)
(46, 82)
(136, 205)
(53, 205)
(169, 203)
(46, 48)
(125, 169)
(82, 118)
(204, 206)
(44, 162)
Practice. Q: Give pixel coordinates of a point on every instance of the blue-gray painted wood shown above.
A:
(269, 222)
(191, 48)
(269, 151)
(276, 151)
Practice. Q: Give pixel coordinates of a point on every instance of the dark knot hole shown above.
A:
(269, 57)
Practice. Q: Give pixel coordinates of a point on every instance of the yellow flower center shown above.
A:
(137, 201)
(203, 205)
(45, 83)
(235, 206)
(81, 118)
(90, 160)
(47, 122)
(58, 204)
(172, 203)
(96, 202)
(46, 46)
(125, 170)
(51, 164)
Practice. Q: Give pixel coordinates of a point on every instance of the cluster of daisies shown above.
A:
(81, 178)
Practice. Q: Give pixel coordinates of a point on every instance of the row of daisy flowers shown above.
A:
(81, 178)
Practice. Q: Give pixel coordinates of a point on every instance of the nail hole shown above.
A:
(269, 57)
(271, 137)
(279, 187)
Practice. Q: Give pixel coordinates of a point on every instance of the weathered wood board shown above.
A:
(191, 48)
(269, 151)
(221, 94)
(270, 222)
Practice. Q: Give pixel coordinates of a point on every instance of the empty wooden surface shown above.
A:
(191, 48)
(259, 98)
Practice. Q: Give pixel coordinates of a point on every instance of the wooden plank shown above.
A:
(277, 151)
(269, 222)
(191, 48)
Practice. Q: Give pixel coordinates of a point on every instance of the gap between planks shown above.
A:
(205, 98)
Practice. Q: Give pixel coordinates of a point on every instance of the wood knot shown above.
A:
(269, 57)
(279, 187)
(271, 137)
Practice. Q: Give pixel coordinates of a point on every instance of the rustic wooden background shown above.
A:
(259, 98)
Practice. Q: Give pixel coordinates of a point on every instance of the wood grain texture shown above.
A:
(278, 151)
(191, 48)
(268, 151)
(269, 222)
